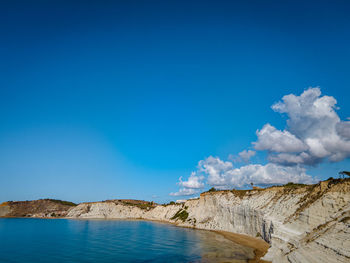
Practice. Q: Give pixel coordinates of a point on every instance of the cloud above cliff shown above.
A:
(313, 134)
(258, 174)
(194, 181)
(223, 175)
(185, 192)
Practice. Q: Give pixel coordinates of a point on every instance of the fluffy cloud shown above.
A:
(191, 186)
(314, 131)
(246, 155)
(185, 192)
(289, 159)
(343, 129)
(193, 181)
(216, 170)
(223, 175)
(271, 139)
(243, 156)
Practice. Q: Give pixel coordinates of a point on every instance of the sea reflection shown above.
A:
(110, 241)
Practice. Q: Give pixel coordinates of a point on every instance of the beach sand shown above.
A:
(260, 246)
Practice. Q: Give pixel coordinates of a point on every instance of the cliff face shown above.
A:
(35, 208)
(301, 223)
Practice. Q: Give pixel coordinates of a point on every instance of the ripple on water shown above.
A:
(61, 240)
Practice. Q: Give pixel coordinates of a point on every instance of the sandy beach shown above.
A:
(260, 246)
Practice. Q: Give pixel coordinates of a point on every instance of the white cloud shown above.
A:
(193, 181)
(291, 158)
(223, 175)
(216, 170)
(243, 156)
(185, 192)
(314, 131)
(246, 155)
(343, 129)
(191, 186)
(271, 139)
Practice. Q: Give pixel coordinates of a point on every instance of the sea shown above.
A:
(29, 240)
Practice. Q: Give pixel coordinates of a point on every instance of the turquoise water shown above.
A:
(61, 240)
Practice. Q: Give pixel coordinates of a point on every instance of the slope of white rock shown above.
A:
(306, 224)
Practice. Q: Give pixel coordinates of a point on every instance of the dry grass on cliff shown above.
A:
(44, 207)
(236, 192)
(146, 205)
(4, 204)
(240, 193)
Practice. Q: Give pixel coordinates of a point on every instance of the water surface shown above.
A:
(63, 240)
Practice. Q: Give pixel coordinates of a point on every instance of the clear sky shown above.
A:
(119, 99)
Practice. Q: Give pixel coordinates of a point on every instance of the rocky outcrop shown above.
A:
(301, 223)
(4, 209)
(36, 208)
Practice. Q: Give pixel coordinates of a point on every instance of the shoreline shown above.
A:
(259, 245)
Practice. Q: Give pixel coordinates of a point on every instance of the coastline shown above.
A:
(289, 218)
(260, 246)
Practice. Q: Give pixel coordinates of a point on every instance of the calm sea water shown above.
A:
(61, 240)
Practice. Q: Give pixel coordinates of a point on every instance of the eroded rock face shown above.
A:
(302, 224)
(36, 208)
(4, 209)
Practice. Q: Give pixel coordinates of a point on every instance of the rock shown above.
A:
(35, 208)
(301, 223)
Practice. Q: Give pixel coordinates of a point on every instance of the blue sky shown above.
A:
(118, 99)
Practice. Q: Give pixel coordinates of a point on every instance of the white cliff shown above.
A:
(301, 223)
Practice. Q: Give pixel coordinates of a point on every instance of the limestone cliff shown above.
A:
(301, 223)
